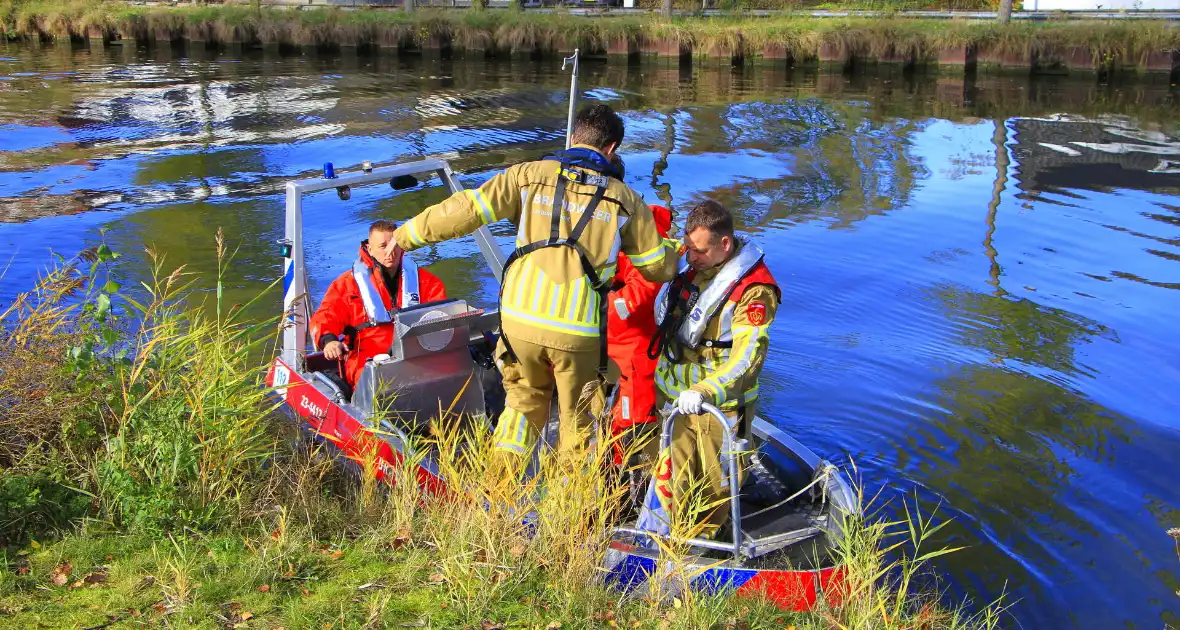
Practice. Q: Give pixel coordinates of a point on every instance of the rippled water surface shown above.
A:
(981, 278)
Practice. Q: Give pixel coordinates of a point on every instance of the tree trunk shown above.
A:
(1005, 15)
(408, 6)
(667, 9)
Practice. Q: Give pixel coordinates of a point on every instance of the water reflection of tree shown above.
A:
(845, 165)
(1010, 329)
(1000, 140)
(995, 451)
(664, 190)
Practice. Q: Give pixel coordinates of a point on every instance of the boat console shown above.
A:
(430, 371)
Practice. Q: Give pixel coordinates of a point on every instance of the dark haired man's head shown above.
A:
(600, 127)
(708, 235)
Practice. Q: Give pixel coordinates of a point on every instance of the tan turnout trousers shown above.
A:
(529, 383)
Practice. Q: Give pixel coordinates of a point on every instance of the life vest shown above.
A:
(581, 166)
(679, 297)
(375, 309)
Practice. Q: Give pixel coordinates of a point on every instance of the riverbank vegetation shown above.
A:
(147, 478)
(505, 31)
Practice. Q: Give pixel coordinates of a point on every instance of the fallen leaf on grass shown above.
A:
(61, 574)
(336, 555)
(436, 578)
(247, 616)
(488, 624)
(553, 625)
(265, 588)
(305, 592)
(421, 623)
(517, 550)
(95, 577)
(147, 582)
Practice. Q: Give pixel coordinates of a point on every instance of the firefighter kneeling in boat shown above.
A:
(573, 216)
(712, 340)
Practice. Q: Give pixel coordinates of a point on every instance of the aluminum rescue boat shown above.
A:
(786, 516)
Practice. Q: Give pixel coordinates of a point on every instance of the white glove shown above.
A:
(690, 401)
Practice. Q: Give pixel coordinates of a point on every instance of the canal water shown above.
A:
(981, 275)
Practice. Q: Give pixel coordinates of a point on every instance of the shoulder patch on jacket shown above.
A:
(756, 313)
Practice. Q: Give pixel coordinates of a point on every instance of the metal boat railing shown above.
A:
(742, 545)
(730, 467)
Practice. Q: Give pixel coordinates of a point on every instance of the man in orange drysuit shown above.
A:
(354, 320)
(630, 325)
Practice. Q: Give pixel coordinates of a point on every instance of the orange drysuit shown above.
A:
(343, 311)
(627, 339)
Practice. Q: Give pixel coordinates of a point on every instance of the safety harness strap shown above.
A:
(564, 174)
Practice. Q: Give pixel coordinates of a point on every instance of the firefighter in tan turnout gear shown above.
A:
(573, 215)
(712, 340)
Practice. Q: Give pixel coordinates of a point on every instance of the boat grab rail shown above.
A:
(728, 452)
(743, 544)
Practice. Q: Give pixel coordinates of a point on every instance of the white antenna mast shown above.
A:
(569, 123)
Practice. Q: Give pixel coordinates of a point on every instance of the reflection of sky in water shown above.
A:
(1038, 411)
(24, 137)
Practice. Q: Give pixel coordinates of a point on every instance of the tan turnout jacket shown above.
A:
(547, 298)
(725, 375)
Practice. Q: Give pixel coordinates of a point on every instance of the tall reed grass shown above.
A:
(735, 35)
(201, 504)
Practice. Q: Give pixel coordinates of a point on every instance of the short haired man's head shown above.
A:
(381, 244)
(600, 127)
(708, 235)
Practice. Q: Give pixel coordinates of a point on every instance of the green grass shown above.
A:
(506, 31)
(145, 478)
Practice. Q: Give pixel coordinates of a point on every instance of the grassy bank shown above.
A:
(501, 32)
(145, 478)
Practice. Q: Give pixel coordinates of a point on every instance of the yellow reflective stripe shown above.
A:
(511, 431)
(592, 308)
(718, 393)
(556, 293)
(650, 257)
(740, 360)
(538, 290)
(553, 324)
(608, 272)
(485, 209)
(583, 304)
(576, 299)
(662, 383)
(751, 396)
(412, 231)
(522, 280)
